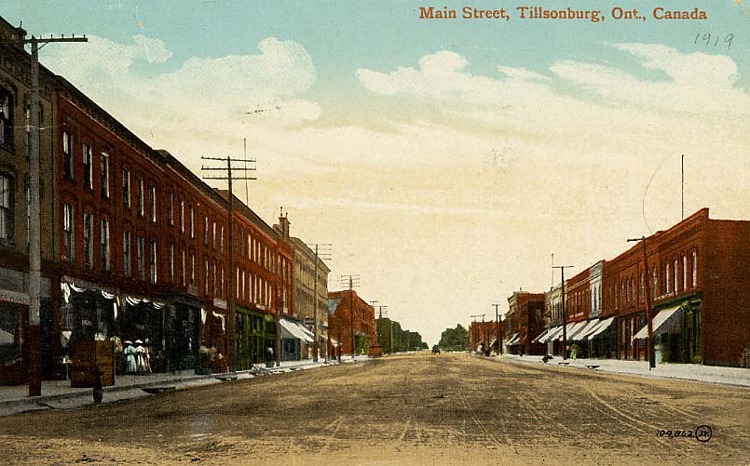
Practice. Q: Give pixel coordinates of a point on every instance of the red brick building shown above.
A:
(524, 321)
(135, 247)
(341, 322)
(485, 335)
(699, 280)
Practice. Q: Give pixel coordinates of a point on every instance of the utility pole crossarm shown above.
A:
(33, 342)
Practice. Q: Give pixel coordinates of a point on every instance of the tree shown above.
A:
(454, 339)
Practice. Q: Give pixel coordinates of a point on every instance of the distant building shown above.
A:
(342, 320)
(524, 321)
(310, 295)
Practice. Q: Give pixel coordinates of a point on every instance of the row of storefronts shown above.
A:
(696, 276)
(142, 268)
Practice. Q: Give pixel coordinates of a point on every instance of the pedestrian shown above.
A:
(130, 363)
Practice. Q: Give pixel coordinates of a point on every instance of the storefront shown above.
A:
(256, 337)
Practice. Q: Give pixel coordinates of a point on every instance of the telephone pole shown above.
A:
(230, 262)
(352, 279)
(564, 314)
(647, 290)
(322, 251)
(497, 329)
(34, 340)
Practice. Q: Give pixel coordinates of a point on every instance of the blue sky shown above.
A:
(445, 160)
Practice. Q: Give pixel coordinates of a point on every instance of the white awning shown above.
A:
(576, 329)
(569, 328)
(540, 336)
(292, 330)
(512, 339)
(662, 322)
(551, 334)
(603, 325)
(586, 329)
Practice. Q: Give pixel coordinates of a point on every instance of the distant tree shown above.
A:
(454, 339)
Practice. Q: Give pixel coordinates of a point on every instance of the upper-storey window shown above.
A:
(126, 187)
(170, 209)
(104, 165)
(68, 155)
(139, 197)
(6, 118)
(6, 207)
(88, 181)
(695, 269)
(152, 203)
(68, 232)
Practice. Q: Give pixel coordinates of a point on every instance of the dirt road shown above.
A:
(416, 409)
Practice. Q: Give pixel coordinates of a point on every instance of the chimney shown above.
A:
(284, 224)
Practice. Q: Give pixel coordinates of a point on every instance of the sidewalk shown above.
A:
(694, 372)
(58, 394)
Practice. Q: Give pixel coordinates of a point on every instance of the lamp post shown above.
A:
(647, 291)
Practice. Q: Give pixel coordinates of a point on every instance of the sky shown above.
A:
(449, 162)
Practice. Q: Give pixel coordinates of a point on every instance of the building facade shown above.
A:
(351, 316)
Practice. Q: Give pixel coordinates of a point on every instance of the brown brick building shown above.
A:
(524, 321)
(699, 279)
(341, 321)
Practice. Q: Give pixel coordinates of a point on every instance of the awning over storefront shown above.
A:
(513, 339)
(551, 334)
(586, 329)
(540, 336)
(292, 330)
(575, 330)
(664, 321)
(601, 327)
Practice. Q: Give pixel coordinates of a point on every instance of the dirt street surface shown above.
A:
(415, 409)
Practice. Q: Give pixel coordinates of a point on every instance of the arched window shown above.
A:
(6, 118)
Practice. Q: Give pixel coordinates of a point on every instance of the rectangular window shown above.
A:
(192, 269)
(695, 269)
(152, 203)
(68, 232)
(87, 253)
(104, 163)
(205, 230)
(205, 275)
(213, 235)
(139, 197)
(126, 188)
(184, 270)
(6, 208)
(105, 245)
(171, 263)
(685, 284)
(182, 216)
(192, 223)
(6, 118)
(153, 262)
(140, 257)
(221, 242)
(68, 155)
(170, 210)
(126, 269)
(674, 276)
(88, 181)
(213, 281)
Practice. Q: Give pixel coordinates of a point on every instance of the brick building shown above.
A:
(310, 294)
(524, 321)
(698, 274)
(484, 335)
(135, 247)
(15, 66)
(341, 321)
